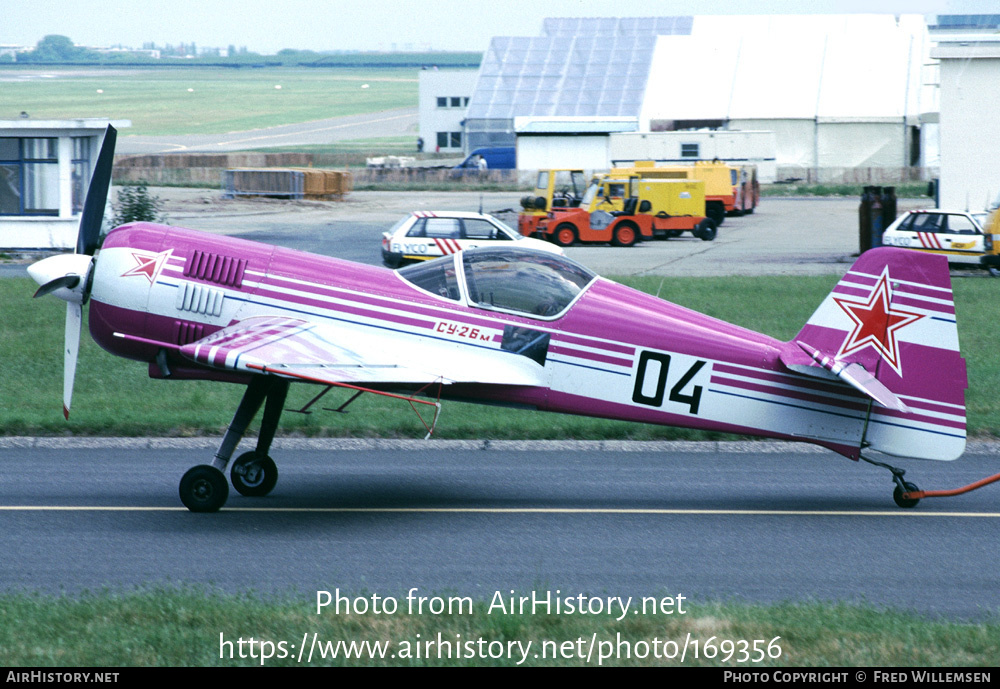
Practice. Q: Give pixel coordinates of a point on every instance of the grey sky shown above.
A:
(270, 25)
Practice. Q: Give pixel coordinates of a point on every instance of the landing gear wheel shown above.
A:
(626, 234)
(204, 489)
(565, 235)
(253, 476)
(897, 495)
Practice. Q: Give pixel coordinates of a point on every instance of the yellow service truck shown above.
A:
(728, 189)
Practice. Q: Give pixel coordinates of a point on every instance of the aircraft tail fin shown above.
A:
(888, 329)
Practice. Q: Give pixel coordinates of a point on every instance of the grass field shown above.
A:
(203, 100)
(175, 628)
(115, 397)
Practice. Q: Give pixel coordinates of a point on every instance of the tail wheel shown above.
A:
(626, 234)
(897, 495)
(564, 235)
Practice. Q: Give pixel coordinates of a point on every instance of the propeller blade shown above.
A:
(74, 321)
(89, 236)
(68, 281)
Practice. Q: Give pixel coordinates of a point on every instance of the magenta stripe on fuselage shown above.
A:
(812, 384)
(859, 405)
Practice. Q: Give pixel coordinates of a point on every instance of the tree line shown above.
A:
(55, 49)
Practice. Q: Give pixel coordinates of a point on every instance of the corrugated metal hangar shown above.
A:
(840, 92)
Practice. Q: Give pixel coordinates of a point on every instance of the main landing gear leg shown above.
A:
(902, 487)
(204, 488)
(255, 473)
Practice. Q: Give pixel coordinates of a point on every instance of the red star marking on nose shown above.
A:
(876, 323)
(149, 265)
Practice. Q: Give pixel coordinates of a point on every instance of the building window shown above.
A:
(689, 150)
(452, 102)
(449, 140)
(81, 171)
(29, 176)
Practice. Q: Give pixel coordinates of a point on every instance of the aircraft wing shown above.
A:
(331, 353)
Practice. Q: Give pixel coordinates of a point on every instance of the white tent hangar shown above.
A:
(839, 91)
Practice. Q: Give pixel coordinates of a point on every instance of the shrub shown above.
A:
(135, 203)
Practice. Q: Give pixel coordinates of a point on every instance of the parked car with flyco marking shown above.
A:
(423, 235)
(962, 236)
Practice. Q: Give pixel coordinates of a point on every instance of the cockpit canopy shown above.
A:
(522, 281)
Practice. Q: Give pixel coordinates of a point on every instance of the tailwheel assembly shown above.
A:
(907, 494)
(902, 495)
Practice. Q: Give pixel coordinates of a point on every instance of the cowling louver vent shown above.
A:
(188, 332)
(200, 299)
(224, 270)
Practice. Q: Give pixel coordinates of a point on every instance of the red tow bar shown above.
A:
(920, 494)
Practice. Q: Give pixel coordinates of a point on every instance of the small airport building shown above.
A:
(443, 98)
(45, 168)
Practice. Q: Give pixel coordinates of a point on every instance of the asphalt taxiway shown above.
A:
(707, 521)
(760, 523)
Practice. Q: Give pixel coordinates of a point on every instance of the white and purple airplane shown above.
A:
(876, 368)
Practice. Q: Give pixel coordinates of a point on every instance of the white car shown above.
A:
(959, 235)
(423, 235)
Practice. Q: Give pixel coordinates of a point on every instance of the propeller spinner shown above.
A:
(67, 276)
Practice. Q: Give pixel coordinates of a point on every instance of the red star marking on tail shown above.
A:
(149, 265)
(876, 323)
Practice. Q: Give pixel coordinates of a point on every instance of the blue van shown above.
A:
(498, 158)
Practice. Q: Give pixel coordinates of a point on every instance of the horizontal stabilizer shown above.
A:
(855, 375)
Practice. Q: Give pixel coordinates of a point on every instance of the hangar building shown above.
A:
(970, 117)
(840, 92)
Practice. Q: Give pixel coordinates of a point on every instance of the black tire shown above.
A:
(253, 476)
(565, 234)
(716, 210)
(204, 489)
(897, 495)
(626, 234)
(706, 230)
